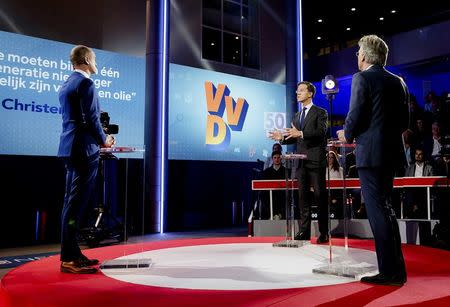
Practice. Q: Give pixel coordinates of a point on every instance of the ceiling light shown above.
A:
(212, 44)
(393, 11)
(319, 20)
(353, 9)
(348, 29)
(381, 18)
(318, 37)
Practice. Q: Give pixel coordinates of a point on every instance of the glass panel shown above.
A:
(231, 17)
(211, 44)
(251, 53)
(212, 13)
(232, 48)
(250, 26)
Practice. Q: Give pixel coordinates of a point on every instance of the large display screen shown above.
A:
(212, 116)
(216, 116)
(31, 73)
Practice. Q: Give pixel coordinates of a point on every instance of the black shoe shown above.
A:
(381, 279)
(86, 261)
(323, 239)
(302, 236)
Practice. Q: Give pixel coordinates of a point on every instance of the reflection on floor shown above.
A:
(54, 248)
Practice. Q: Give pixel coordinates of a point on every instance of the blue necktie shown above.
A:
(302, 118)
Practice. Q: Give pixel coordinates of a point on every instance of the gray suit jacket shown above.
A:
(427, 170)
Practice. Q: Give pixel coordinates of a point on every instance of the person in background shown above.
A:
(336, 172)
(269, 160)
(335, 169)
(276, 171)
(416, 197)
(436, 140)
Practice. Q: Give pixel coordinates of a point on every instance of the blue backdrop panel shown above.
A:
(232, 135)
(31, 72)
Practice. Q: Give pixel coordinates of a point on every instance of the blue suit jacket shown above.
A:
(82, 132)
(377, 117)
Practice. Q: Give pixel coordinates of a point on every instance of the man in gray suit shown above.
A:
(375, 121)
(415, 202)
(420, 168)
(308, 130)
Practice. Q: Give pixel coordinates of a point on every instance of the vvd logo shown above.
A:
(218, 134)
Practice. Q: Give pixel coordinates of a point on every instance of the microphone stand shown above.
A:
(330, 98)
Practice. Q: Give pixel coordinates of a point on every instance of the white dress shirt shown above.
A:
(419, 170)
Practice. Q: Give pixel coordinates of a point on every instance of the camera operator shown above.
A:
(81, 137)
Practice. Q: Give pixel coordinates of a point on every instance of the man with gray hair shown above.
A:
(375, 121)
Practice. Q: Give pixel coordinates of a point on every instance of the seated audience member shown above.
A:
(422, 136)
(336, 172)
(430, 101)
(355, 194)
(436, 140)
(415, 201)
(350, 161)
(415, 111)
(275, 171)
(269, 160)
(408, 146)
(443, 166)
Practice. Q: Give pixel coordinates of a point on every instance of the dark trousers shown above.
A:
(81, 174)
(315, 177)
(376, 186)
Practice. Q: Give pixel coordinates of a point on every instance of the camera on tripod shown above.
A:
(107, 127)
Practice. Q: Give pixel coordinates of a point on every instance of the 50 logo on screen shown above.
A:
(274, 121)
(218, 134)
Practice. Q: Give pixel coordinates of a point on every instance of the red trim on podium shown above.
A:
(353, 183)
(273, 184)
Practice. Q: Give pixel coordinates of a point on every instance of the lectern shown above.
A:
(290, 227)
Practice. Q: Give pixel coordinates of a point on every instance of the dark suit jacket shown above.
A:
(81, 135)
(314, 130)
(376, 117)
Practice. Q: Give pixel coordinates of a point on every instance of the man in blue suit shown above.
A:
(80, 141)
(375, 121)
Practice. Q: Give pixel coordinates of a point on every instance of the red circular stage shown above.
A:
(40, 283)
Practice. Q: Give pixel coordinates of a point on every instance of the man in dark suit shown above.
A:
(80, 138)
(308, 131)
(375, 121)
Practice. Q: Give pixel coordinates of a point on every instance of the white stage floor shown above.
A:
(242, 266)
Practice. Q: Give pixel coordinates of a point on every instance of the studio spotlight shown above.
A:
(330, 85)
